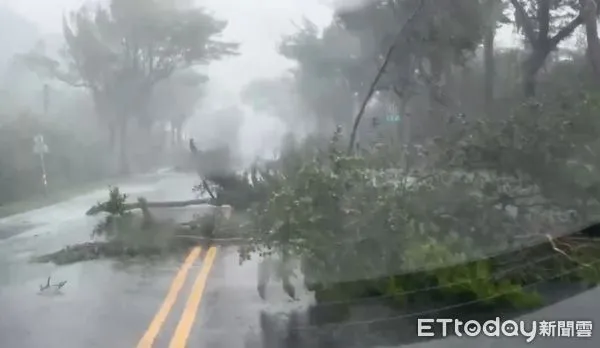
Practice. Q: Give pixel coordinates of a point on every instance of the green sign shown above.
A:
(393, 118)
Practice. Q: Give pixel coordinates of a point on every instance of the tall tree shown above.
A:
(545, 24)
(589, 12)
(120, 53)
(493, 15)
(175, 99)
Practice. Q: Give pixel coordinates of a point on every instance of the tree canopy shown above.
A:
(122, 51)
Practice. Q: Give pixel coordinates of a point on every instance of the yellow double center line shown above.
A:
(186, 322)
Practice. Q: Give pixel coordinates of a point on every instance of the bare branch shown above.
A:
(566, 31)
(562, 252)
(543, 17)
(371, 90)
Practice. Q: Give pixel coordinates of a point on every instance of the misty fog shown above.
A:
(257, 25)
(371, 158)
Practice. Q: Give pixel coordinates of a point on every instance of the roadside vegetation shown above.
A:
(70, 165)
(471, 194)
(475, 189)
(127, 230)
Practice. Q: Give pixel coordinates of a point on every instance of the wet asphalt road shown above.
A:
(108, 303)
(116, 304)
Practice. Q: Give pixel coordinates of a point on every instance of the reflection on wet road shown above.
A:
(103, 306)
(203, 300)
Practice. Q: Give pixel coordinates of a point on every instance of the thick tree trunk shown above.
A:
(589, 13)
(437, 109)
(493, 12)
(533, 65)
(540, 40)
(490, 68)
(168, 204)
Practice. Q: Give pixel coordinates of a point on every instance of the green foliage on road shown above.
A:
(500, 145)
(137, 60)
(121, 234)
(360, 228)
(124, 232)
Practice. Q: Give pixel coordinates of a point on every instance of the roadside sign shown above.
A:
(393, 118)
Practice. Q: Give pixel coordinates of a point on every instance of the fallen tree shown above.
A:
(104, 207)
(126, 234)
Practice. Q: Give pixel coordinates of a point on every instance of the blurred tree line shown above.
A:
(120, 90)
(446, 62)
(136, 61)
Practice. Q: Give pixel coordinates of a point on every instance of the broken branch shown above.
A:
(131, 206)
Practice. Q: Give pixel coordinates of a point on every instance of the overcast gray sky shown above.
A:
(257, 24)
